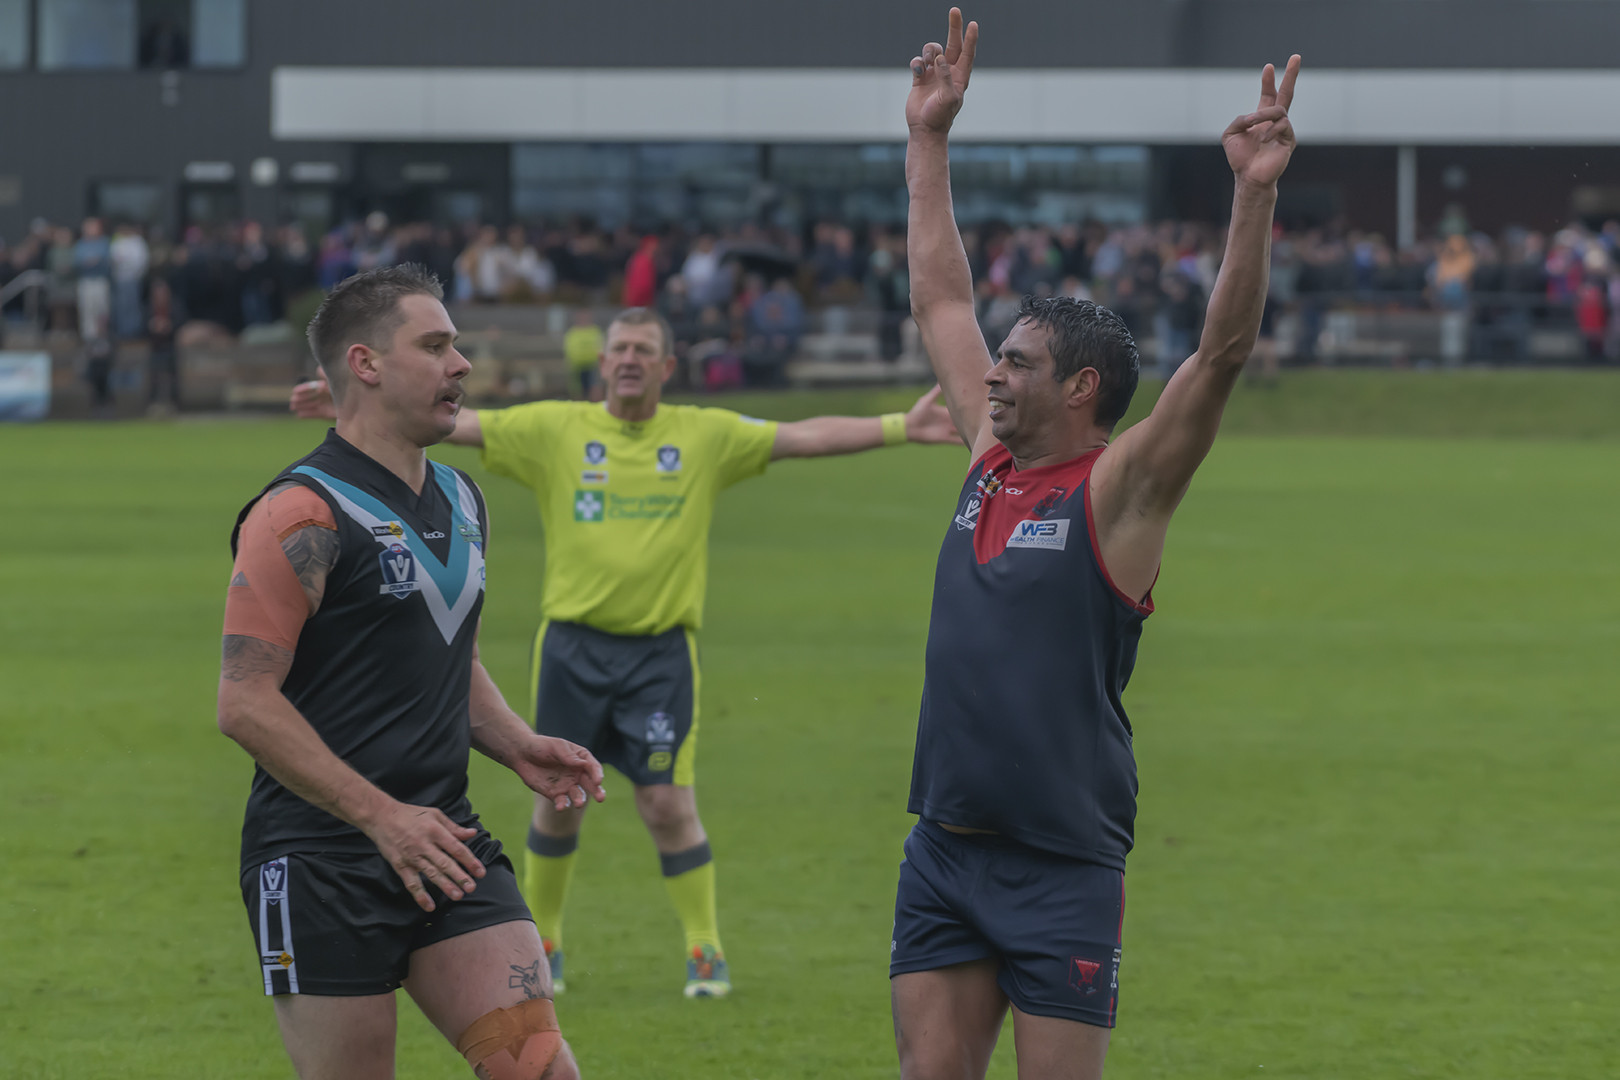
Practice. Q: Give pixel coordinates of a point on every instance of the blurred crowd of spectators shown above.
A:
(739, 299)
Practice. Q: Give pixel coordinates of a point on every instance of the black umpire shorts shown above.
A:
(631, 701)
(343, 925)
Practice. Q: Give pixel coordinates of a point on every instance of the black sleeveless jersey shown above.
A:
(382, 670)
(1030, 646)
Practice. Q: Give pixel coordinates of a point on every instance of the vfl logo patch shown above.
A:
(273, 879)
(969, 517)
(398, 571)
(669, 459)
(1050, 535)
(595, 453)
(1083, 974)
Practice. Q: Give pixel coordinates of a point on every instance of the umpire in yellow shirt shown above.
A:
(626, 490)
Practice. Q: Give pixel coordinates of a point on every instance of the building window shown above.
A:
(138, 201)
(14, 34)
(86, 35)
(124, 34)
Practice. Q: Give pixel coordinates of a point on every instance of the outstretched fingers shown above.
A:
(1285, 93)
(953, 37)
(1268, 86)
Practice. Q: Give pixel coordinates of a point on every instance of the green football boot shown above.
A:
(706, 973)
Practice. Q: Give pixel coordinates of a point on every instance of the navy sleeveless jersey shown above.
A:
(1030, 646)
(382, 670)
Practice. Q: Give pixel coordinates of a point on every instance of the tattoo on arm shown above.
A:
(526, 979)
(245, 657)
(312, 551)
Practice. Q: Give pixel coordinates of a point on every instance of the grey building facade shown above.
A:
(101, 116)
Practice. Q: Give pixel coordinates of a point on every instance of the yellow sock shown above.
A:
(689, 877)
(548, 867)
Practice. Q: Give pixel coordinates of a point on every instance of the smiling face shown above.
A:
(1029, 406)
(418, 377)
(635, 365)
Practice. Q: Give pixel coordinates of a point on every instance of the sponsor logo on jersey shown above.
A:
(989, 485)
(398, 571)
(644, 507)
(969, 517)
(1050, 535)
(392, 528)
(1049, 501)
(593, 476)
(433, 535)
(587, 506)
(471, 532)
(750, 419)
(669, 459)
(1083, 974)
(595, 453)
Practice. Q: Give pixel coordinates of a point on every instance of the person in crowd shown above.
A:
(128, 259)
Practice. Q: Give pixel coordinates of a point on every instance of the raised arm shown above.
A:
(286, 548)
(825, 436)
(941, 283)
(1143, 475)
(312, 400)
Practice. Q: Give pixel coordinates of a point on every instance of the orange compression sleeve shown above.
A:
(265, 600)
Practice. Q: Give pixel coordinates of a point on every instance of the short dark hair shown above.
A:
(364, 309)
(640, 316)
(1081, 334)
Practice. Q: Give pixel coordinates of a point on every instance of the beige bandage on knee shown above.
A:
(519, 1043)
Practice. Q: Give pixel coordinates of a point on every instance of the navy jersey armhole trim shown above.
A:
(1144, 607)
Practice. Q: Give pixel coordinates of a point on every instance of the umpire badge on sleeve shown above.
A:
(398, 571)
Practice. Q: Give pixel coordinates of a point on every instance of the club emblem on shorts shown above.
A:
(969, 517)
(669, 459)
(1083, 974)
(587, 506)
(398, 571)
(595, 453)
(661, 728)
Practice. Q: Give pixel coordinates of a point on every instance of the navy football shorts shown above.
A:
(1053, 923)
(343, 925)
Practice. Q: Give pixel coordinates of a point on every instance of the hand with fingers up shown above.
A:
(425, 847)
(939, 77)
(1259, 144)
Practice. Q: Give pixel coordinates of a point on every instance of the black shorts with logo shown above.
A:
(1053, 922)
(343, 925)
(631, 701)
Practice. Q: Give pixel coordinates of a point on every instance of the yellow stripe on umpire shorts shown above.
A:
(685, 770)
(534, 674)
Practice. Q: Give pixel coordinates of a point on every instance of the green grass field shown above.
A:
(1375, 715)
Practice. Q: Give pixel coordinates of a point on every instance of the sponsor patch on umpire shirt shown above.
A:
(1051, 535)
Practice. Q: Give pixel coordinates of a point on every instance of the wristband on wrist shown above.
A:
(894, 428)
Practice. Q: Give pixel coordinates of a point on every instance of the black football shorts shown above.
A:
(343, 925)
(631, 701)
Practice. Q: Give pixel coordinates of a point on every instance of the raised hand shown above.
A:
(564, 773)
(940, 76)
(312, 400)
(1259, 144)
(930, 422)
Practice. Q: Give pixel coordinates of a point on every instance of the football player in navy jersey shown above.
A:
(1024, 783)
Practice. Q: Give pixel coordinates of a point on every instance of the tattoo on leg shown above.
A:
(526, 979)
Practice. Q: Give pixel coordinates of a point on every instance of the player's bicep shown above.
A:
(956, 348)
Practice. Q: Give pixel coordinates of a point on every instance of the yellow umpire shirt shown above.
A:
(626, 507)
